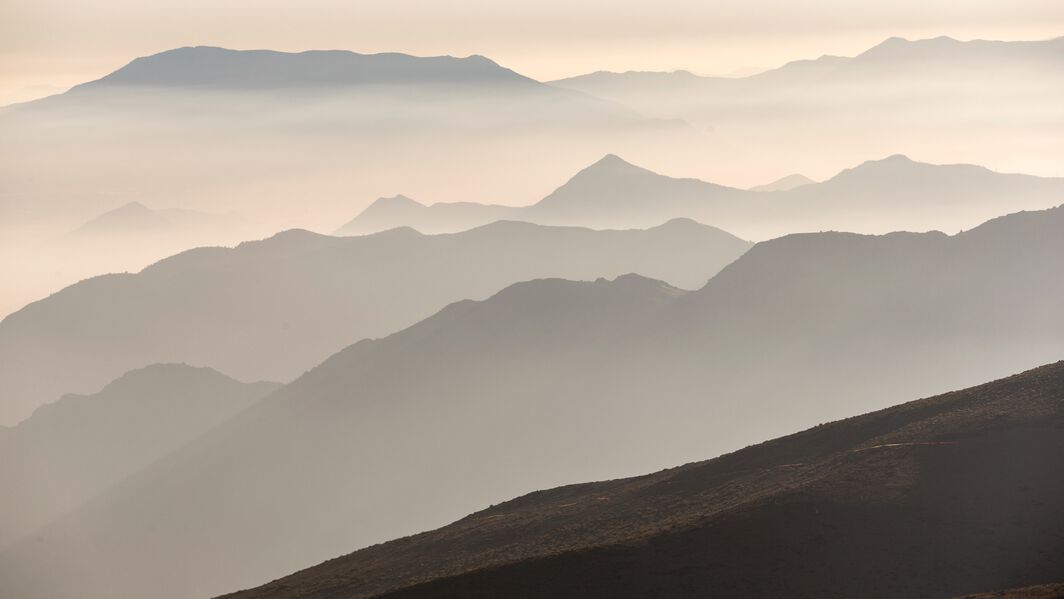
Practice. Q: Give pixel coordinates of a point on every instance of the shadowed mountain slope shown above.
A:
(74, 448)
(934, 498)
(552, 382)
(877, 196)
(272, 309)
(1040, 591)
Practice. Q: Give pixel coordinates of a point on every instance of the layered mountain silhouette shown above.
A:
(877, 196)
(287, 140)
(552, 382)
(272, 309)
(931, 94)
(936, 497)
(302, 139)
(74, 448)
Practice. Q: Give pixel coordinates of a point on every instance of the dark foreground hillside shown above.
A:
(1040, 591)
(959, 493)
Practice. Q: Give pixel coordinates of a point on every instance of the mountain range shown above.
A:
(933, 498)
(72, 449)
(934, 94)
(551, 382)
(305, 140)
(271, 309)
(877, 196)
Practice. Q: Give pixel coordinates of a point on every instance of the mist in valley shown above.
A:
(371, 324)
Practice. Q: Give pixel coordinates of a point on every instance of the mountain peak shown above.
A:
(612, 160)
(610, 164)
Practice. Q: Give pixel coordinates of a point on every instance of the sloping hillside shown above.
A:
(931, 498)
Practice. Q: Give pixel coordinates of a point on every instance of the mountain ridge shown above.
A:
(873, 197)
(212, 66)
(275, 307)
(75, 447)
(800, 330)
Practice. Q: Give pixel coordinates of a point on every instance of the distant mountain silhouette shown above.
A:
(201, 66)
(284, 139)
(927, 95)
(917, 500)
(784, 183)
(135, 219)
(132, 217)
(877, 196)
(401, 211)
(74, 448)
(272, 309)
(894, 57)
(551, 382)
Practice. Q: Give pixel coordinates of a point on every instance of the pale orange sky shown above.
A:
(48, 45)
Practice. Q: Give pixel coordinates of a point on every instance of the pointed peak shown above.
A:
(612, 162)
(611, 159)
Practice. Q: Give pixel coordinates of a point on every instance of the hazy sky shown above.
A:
(58, 43)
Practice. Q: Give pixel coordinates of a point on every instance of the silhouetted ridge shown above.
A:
(275, 307)
(211, 67)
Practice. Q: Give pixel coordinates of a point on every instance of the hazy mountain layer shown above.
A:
(272, 309)
(552, 382)
(74, 448)
(878, 196)
(935, 497)
(306, 140)
(287, 140)
(205, 66)
(980, 101)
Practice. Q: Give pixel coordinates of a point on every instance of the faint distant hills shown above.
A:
(628, 376)
(136, 219)
(930, 94)
(784, 183)
(916, 500)
(894, 59)
(295, 139)
(877, 196)
(271, 309)
(133, 217)
(76, 447)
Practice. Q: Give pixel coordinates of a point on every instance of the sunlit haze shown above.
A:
(46, 45)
